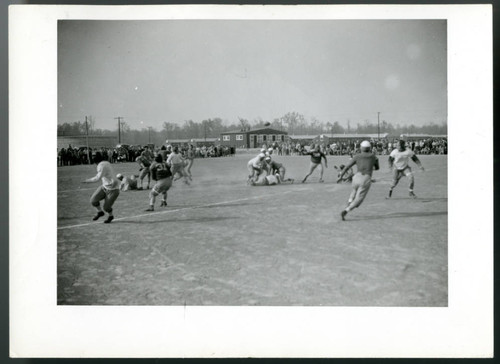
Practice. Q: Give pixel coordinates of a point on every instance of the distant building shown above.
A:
(252, 138)
(340, 138)
(422, 136)
(95, 141)
(197, 142)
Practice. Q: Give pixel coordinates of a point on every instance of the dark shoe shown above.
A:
(342, 214)
(321, 181)
(109, 219)
(99, 214)
(303, 181)
(411, 194)
(163, 203)
(151, 208)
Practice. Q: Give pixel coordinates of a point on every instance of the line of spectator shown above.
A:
(73, 156)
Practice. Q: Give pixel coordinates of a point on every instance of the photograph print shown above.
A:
(242, 162)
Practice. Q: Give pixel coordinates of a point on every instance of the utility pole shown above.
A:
(149, 129)
(87, 137)
(119, 126)
(378, 117)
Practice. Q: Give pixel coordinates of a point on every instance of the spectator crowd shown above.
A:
(78, 155)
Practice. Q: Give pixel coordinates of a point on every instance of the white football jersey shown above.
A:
(401, 159)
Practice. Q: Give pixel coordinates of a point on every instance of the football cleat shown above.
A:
(151, 208)
(99, 214)
(342, 214)
(109, 219)
(411, 194)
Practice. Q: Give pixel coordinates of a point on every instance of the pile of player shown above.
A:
(264, 171)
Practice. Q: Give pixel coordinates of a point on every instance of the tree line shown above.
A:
(293, 123)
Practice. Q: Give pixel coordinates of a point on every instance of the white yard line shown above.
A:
(78, 189)
(183, 209)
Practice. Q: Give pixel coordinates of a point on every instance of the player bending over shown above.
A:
(108, 191)
(366, 162)
(399, 159)
(255, 167)
(163, 176)
(275, 167)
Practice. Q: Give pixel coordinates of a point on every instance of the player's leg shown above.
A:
(361, 193)
(165, 186)
(109, 200)
(358, 182)
(95, 200)
(282, 172)
(396, 176)
(312, 167)
(142, 174)
(152, 197)
(411, 181)
(320, 166)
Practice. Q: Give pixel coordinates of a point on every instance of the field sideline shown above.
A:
(221, 242)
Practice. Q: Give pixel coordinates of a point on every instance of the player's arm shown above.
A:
(169, 159)
(97, 177)
(417, 161)
(391, 161)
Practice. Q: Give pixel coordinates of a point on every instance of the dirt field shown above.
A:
(221, 242)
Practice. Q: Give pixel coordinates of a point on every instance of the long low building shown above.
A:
(253, 138)
(193, 141)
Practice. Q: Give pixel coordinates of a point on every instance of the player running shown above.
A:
(163, 176)
(316, 157)
(399, 158)
(366, 162)
(108, 191)
(254, 167)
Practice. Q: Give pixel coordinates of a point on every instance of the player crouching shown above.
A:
(274, 167)
(163, 176)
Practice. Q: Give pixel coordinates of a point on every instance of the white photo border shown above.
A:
(40, 328)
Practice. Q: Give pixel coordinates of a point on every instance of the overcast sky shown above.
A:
(150, 72)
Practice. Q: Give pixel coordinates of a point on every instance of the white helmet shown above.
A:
(262, 155)
(119, 176)
(365, 144)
